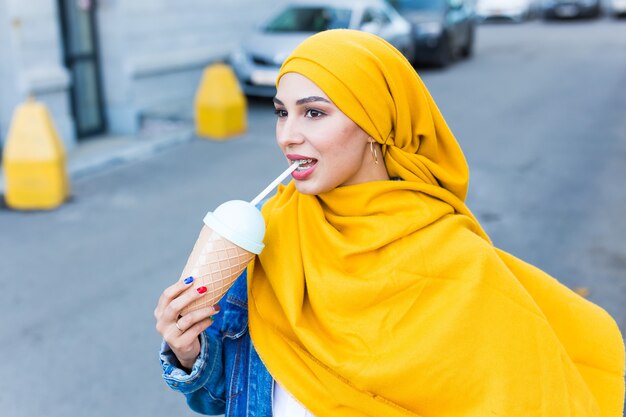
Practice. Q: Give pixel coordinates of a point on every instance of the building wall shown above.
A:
(31, 63)
(6, 73)
(152, 53)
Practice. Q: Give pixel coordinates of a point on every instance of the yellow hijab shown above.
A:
(387, 298)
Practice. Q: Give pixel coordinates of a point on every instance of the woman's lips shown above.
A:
(302, 172)
(306, 167)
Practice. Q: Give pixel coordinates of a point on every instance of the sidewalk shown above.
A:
(159, 131)
(100, 153)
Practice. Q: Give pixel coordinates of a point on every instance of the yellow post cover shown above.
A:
(220, 106)
(34, 160)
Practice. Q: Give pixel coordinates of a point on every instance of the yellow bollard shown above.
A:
(33, 160)
(220, 106)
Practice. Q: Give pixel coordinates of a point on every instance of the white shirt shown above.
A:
(286, 406)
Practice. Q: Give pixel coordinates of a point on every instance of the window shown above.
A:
(377, 16)
(309, 19)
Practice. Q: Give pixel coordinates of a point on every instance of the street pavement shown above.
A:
(539, 111)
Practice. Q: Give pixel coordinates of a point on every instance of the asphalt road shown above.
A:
(540, 112)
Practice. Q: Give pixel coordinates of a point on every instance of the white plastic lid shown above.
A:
(240, 222)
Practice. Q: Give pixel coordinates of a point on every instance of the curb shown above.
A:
(98, 155)
(140, 149)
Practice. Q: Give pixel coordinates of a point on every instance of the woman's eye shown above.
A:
(313, 113)
(280, 112)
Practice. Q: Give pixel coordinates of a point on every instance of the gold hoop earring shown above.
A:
(373, 151)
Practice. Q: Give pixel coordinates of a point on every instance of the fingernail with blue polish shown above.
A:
(188, 280)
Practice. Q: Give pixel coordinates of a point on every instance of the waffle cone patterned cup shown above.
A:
(214, 263)
(231, 237)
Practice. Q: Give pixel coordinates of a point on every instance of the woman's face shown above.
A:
(334, 151)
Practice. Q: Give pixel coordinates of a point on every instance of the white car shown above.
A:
(513, 10)
(258, 61)
(618, 7)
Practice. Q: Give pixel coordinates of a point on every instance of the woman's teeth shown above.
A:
(304, 164)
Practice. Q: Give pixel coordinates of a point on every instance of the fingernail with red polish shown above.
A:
(201, 290)
(217, 308)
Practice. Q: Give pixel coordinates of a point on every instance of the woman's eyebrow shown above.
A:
(302, 101)
(311, 100)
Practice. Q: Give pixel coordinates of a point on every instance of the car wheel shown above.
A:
(409, 53)
(548, 15)
(444, 53)
(468, 48)
(597, 12)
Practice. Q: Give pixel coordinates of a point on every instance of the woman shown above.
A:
(378, 293)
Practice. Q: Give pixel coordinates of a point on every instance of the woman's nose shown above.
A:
(288, 133)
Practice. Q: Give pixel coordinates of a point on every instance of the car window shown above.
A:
(404, 5)
(309, 19)
(375, 15)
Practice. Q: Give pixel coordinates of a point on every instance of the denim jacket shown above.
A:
(228, 377)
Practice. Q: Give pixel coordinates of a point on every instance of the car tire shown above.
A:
(468, 48)
(597, 12)
(444, 53)
(409, 53)
(548, 15)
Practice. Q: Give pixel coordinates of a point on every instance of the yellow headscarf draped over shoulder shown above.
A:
(387, 299)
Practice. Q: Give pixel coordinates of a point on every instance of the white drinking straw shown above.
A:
(274, 183)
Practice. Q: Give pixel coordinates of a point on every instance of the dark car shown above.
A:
(443, 29)
(565, 9)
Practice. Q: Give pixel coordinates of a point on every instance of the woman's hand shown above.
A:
(181, 333)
